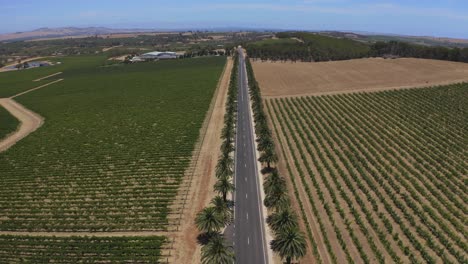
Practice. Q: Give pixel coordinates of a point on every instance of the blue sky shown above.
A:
(448, 18)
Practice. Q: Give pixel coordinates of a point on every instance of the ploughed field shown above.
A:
(111, 155)
(278, 79)
(378, 176)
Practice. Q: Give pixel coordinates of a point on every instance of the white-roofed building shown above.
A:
(159, 55)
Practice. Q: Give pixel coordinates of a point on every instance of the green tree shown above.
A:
(289, 244)
(277, 198)
(222, 208)
(216, 252)
(225, 166)
(282, 220)
(269, 156)
(272, 181)
(208, 220)
(224, 186)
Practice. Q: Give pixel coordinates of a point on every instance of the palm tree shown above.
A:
(268, 156)
(225, 166)
(208, 220)
(227, 147)
(222, 208)
(216, 252)
(272, 181)
(224, 186)
(289, 243)
(282, 220)
(277, 198)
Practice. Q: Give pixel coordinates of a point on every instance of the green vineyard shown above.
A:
(379, 177)
(9, 123)
(31, 249)
(114, 148)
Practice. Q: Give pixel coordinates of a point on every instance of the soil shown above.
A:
(48, 76)
(285, 79)
(201, 189)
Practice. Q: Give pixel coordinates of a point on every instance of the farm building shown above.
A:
(158, 55)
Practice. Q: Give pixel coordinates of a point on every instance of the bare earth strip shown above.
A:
(48, 76)
(201, 188)
(287, 79)
(39, 87)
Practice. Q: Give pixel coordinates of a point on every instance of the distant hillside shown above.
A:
(63, 32)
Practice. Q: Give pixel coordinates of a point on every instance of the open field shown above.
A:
(114, 149)
(128, 166)
(278, 79)
(378, 176)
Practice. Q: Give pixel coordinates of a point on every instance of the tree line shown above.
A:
(212, 219)
(308, 47)
(289, 241)
(408, 50)
(314, 47)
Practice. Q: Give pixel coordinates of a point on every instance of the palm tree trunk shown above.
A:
(288, 260)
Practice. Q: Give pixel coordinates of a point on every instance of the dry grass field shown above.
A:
(278, 79)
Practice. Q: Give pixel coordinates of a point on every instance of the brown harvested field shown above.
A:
(282, 79)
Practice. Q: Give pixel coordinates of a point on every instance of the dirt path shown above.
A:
(39, 87)
(30, 121)
(45, 77)
(201, 192)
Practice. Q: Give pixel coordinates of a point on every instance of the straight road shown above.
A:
(248, 231)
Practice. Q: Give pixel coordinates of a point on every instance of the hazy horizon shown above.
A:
(411, 17)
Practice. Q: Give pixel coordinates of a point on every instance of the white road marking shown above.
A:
(245, 196)
(245, 165)
(245, 178)
(247, 216)
(248, 240)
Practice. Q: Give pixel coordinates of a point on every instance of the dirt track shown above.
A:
(201, 192)
(278, 79)
(48, 76)
(30, 121)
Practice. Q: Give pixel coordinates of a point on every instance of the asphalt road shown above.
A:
(248, 230)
